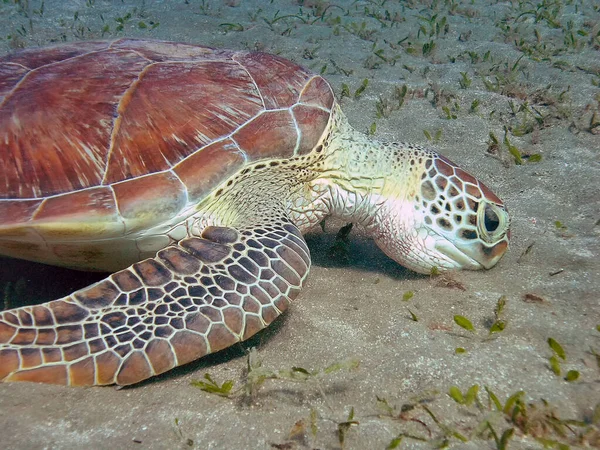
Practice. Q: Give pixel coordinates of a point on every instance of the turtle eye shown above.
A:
(492, 222)
(491, 219)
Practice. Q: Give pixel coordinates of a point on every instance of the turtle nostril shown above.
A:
(491, 220)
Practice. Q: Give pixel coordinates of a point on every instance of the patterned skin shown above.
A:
(192, 174)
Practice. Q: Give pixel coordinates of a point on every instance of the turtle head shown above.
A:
(447, 219)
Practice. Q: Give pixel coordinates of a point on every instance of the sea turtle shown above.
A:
(191, 173)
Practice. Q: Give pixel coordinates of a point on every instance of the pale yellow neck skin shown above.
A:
(356, 178)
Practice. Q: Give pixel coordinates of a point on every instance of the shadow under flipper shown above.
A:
(25, 283)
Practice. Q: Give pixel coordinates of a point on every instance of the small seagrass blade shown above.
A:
(194, 298)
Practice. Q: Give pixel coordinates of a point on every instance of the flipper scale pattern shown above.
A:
(192, 299)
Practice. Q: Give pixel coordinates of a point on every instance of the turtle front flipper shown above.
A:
(194, 298)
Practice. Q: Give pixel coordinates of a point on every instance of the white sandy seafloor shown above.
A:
(532, 67)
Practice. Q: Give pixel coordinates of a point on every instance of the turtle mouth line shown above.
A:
(461, 259)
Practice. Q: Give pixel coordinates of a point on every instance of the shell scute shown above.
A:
(272, 134)
(10, 75)
(218, 162)
(16, 212)
(150, 199)
(280, 81)
(175, 109)
(56, 125)
(311, 123)
(318, 93)
(33, 58)
(169, 51)
(90, 205)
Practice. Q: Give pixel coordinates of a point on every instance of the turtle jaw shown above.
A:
(426, 247)
(412, 243)
(460, 258)
(473, 256)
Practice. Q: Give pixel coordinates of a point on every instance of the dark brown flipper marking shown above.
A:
(192, 299)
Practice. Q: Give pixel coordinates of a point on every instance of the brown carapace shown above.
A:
(102, 141)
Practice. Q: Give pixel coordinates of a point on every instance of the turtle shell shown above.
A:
(102, 141)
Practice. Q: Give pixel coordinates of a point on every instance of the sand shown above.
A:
(543, 87)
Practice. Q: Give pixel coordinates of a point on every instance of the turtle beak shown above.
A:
(491, 255)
